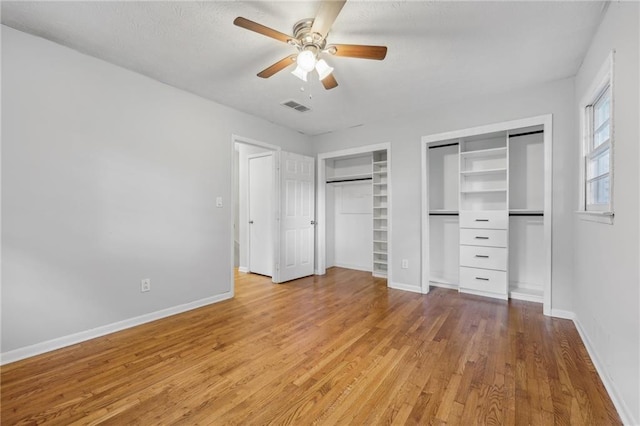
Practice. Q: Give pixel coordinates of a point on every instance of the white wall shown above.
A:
(606, 256)
(352, 225)
(109, 177)
(404, 135)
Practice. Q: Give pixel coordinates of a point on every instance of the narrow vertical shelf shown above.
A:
(380, 209)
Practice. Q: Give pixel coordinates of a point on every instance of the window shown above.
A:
(597, 145)
(598, 153)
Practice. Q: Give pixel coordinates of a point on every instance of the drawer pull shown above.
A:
(482, 238)
(483, 279)
(484, 256)
(482, 220)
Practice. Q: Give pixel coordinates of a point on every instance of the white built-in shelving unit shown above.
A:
(486, 210)
(484, 201)
(380, 213)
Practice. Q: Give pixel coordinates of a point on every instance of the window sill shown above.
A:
(594, 216)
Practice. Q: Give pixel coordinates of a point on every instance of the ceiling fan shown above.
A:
(310, 39)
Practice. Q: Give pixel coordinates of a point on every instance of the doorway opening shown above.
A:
(354, 210)
(254, 203)
(273, 211)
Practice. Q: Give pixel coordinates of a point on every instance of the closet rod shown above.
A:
(349, 180)
(443, 214)
(526, 214)
(527, 133)
(442, 146)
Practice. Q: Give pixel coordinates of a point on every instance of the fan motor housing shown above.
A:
(306, 39)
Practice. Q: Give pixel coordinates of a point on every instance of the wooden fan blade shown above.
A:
(278, 66)
(360, 51)
(326, 16)
(261, 29)
(329, 82)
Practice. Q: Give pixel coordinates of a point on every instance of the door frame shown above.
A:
(321, 207)
(275, 150)
(544, 120)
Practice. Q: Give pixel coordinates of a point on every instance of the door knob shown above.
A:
(250, 222)
(313, 222)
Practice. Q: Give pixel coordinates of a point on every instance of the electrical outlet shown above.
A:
(218, 202)
(405, 263)
(145, 285)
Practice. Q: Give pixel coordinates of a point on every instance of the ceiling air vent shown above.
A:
(295, 105)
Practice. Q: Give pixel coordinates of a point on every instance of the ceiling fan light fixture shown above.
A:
(324, 70)
(300, 73)
(306, 60)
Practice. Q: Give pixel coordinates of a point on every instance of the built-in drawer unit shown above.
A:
(483, 237)
(484, 257)
(484, 280)
(484, 219)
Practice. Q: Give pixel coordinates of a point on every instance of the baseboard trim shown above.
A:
(559, 313)
(72, 339)
(243, 269)
(405, 287)
(354, 267)
(444, 285)
(623, 410)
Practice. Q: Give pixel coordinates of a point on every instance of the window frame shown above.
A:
(602, 85)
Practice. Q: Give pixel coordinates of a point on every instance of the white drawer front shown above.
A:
(483, 237)
(483, 280)
(487, 219)
(484, 257)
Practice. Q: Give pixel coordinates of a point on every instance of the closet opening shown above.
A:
(486, 217)
(354, 210)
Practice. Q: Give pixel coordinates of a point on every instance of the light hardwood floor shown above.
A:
(339, 349)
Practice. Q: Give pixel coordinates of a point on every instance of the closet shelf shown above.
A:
(380, 163)
(379, 262)
(381, 241)
(381, 229)
(481, 191)
(483, 172)
(484, 152)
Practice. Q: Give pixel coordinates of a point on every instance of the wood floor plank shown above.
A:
(338, 349)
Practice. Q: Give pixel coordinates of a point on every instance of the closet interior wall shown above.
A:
(526, 217)
(443, 209)
(349, 212)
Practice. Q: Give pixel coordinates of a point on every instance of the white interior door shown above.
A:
(260, 214)
(297, 211)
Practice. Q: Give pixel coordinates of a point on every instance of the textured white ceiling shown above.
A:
(438, 52)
